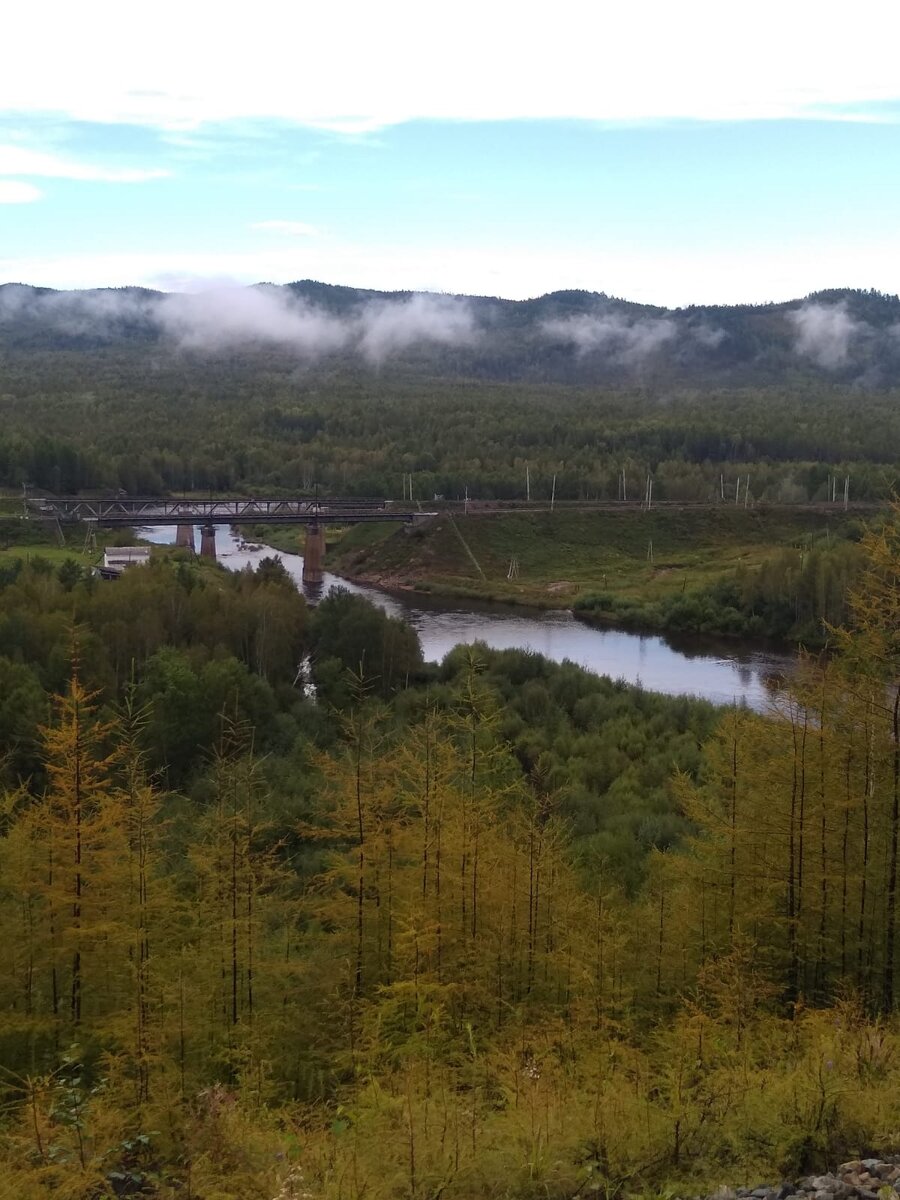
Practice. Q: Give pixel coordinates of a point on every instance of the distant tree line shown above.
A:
(150, 423)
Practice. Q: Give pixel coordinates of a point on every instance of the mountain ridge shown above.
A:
(847, 335)
(313, 289)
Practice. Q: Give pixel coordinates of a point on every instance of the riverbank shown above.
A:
(638, 560)
(729, 674)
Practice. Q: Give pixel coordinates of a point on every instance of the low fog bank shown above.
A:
(221, 318)
(847, 335)
(630, 342)
(216, 320)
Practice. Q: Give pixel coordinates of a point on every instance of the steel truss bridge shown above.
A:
(175, 510)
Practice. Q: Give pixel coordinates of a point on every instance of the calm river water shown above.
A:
(723, 672)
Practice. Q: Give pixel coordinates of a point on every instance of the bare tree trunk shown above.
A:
(823, 850)
(361, 867)
(862, 970)
(794, 989)
(732, 854)
(78, 810)
(891, 916)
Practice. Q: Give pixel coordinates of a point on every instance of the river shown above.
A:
(723, 672)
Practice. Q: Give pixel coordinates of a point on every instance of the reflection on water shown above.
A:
(723, 672)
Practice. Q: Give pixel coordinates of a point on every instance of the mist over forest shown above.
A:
(843, 335)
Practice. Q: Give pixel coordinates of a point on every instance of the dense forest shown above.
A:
(271, 388)
(152, 423)
(489, 927)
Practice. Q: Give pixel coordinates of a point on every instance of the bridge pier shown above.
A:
(184, 537)
(314, 553)
(208, 541)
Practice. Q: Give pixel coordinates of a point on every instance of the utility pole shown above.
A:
(527, 483)
(846, 492)
(553, 494)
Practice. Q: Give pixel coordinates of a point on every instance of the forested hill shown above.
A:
(841, 335)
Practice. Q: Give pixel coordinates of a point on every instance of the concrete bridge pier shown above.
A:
(184, 537)
(314, 553)
(208, 542)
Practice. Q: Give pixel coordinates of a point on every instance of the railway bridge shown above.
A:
(184, 512)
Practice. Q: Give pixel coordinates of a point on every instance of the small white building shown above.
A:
(117, 558)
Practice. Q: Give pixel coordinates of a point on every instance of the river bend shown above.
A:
(723, 672)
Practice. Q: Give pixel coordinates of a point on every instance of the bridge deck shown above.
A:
(180, 510)
(177, 510)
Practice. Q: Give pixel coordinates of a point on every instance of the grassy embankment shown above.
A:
(565, 555)
(37, 539)
(43, 539)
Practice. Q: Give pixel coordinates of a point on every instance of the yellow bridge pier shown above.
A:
(314, 553)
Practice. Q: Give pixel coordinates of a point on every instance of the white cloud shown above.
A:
(824, 333)
(15, 191)
(708, 336)
(219, 317)
(18, 160)
(356, 66)
(294, 228)
(621, 340)
(224, 316)
(388, 326)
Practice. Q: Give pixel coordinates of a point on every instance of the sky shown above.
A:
(667, 153)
